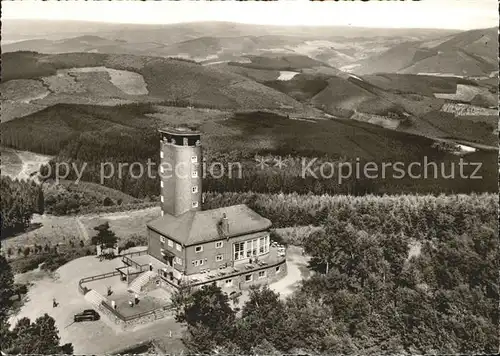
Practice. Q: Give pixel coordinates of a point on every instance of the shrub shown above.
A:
(133, 241)
(26, 264)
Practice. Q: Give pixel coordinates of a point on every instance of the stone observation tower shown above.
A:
(180, 171)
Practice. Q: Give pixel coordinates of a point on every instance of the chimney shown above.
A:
(224, 225)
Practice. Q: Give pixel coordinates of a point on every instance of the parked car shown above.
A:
(87, 315)
(234, 295)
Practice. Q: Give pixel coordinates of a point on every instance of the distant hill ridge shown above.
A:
(469, 53)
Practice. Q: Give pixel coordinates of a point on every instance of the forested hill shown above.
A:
(394, 275)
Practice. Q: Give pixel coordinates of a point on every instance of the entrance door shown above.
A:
(169, 260)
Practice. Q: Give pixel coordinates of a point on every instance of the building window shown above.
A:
(194, 189)
(195, 204)
(162, 213)
(161, 168)
(161, 154)
(194, 159)
(239, 251)
(194, 174)
(262, 274)
(277, 269)
(251, 248)
(229, 282)
(161, 183)
(185, 141)
(198, 249)
(219, 244)
(198, 263)
(162, 239)
(178, 247)
(170, 243)
(248, 278)
(219, 258)
(161, 198)
(178, 261)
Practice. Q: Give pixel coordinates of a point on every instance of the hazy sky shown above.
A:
(453, 14)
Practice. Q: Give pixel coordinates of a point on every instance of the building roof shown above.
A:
(195, 227)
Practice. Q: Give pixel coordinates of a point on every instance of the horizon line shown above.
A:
(246, 23)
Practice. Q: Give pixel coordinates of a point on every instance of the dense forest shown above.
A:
(417, 216)
(86, 137)
(20, 200)
(373, 292)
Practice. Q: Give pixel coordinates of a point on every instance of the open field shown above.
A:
(52, 230)
(465, 93)
(129, 82)
(123, 224)
(11, 162)
(468, 110)
(46, 229)
(21, 164)
(99, 191)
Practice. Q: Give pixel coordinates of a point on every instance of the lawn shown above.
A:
(99, 191)
(64, 230)
(46, 229)
(123, 224)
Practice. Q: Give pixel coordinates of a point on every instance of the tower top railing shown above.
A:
(182, 131)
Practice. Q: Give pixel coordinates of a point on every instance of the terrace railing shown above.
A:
(130, 262)
(84, 290)
(130, 318)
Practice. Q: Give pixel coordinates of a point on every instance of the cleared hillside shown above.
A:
(166, 80)
(469, 53)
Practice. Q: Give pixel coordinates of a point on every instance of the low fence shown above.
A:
(136, 253)
(130, 262)
(84, 289)
(139, 318)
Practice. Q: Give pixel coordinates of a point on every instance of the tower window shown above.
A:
(161, 198)
(185, 141)
(161, 154)
(194, 189)
(161, 183)
(194, 159)
(195, 204)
